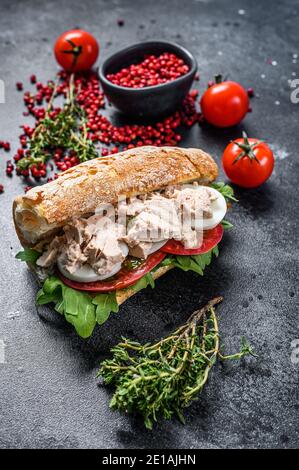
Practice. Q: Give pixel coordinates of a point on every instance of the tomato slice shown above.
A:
(210, 239)
(124, 278)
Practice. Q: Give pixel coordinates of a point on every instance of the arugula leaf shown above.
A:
(142, 283)
(83, 311)
(79, 308)
(76, 306)
(225, 189)
(226, 224)
(196, 263)
(105, 304)
(28, 255)
(43, 298)
(215, 251)
(80, 312)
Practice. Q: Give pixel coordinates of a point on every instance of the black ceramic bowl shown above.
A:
(152, 101)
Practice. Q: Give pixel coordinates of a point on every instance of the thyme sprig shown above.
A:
(159, 380)
(67, 131)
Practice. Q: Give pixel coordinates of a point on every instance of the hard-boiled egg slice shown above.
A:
(87, 274)
(156, 246)
(219, 209)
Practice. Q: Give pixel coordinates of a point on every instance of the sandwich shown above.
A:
(109, 227)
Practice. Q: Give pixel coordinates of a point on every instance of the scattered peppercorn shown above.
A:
(9, 168)
(250, 92)
(100, 131)
(5, 145)
(120, 22)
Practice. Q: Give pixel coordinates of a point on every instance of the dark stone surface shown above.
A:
(49, 397)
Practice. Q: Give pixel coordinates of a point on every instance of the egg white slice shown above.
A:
(156, 246)
(219, 209)
(87, 274)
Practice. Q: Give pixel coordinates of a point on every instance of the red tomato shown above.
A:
(225, 104)
(76, 50)
(124, 278)
(248, 162)
(211, 238)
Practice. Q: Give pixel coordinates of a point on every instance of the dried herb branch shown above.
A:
(66, 130)
(159, 380)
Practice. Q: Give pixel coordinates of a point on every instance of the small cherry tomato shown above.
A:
(76, 50)
(224, 104)
(248, 162)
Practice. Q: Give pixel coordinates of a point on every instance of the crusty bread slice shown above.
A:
(80, 190)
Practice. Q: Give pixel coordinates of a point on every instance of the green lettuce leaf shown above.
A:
(79, 308)
(225, 189)
(83, 311)
(76, 306)
(28, 255)
(196, 263)
(146, 280)
(105, 304)
(226, 224)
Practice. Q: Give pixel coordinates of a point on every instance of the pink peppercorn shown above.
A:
(152, 71)
(250, 92)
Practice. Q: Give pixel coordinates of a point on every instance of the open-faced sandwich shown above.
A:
(109, 227)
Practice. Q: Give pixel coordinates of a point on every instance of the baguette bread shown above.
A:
(43, 210)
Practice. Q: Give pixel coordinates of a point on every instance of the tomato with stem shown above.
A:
(248, 162)
(76, 50)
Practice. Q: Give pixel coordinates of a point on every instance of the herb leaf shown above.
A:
(225, 189)
(67, 130)
(146, 280)
(226, 224)
(28, 255)
(196, 263)
(159, 380)
(105, 304)
(76, 306)
(79, 308)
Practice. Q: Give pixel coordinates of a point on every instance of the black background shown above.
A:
(49, 397)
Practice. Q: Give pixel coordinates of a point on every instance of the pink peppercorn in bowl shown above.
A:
(148, 79)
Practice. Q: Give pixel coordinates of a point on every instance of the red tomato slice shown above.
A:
(210, 239)
(124, 278)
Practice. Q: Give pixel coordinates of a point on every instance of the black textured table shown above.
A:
(49, 397)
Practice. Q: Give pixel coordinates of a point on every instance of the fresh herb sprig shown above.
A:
(225, 189)
(67, 130)
(159, 380)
